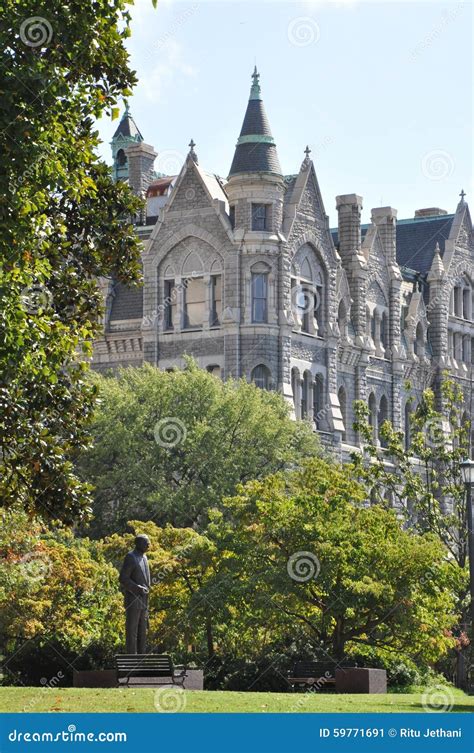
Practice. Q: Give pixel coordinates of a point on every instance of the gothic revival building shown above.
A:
(246, 275)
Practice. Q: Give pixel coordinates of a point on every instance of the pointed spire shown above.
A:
(127, 128)
(256, 149)
(255, 92)
(437, 267)
(192, 153)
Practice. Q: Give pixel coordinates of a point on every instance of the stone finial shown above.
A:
(307, 159)
(192, 153)
(462, 195)
(437, 267)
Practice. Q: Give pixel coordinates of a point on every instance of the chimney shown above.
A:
(430, 212)
(385, 219)
(140, 157)
(349, 207)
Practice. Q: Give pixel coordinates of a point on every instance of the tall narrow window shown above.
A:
(216, 300)
(343, 405)
(319, 305)
(232, 216)
(318, 400)
(170, 304)
(383, 416)
(342, 320)
(407, 424)
(373, 416)
(261, 376)
(259, 216)
(384, 330)
(419, 340)
(305, 394)
(194, 303)
(259, 297)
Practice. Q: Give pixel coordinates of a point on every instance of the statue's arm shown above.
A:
(125, 576)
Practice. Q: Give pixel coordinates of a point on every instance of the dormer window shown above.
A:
(259, 216)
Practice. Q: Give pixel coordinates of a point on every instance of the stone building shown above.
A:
(246, 275)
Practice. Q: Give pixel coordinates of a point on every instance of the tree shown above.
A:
(58, 595)
(421, 474)
(168, 446)
(63, 224)
(339, 576)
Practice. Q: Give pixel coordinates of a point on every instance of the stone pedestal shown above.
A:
(361, 680)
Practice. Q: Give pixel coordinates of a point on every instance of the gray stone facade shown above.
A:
(324, 316)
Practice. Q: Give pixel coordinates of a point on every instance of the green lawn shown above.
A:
(143, 700)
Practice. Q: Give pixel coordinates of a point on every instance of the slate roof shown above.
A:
(128, 128)
(255, 158)
(127, 303)
(416, 240)
(255, 120)
(255, 151)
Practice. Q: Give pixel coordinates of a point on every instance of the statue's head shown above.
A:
(142, 542)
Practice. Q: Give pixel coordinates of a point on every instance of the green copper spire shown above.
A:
(255, 90)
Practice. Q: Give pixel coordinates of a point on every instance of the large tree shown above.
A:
(338, 576)
(419, 471)
(63, 223)
(168, 446)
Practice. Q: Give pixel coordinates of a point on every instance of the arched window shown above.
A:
(419, 343)
(383, 416)
(343, 405)
(259, 296)
(261, 376)
(373, 416)
(318, 400)
(121, 158)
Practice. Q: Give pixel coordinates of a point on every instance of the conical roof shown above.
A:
(128, 128)
(256, 149)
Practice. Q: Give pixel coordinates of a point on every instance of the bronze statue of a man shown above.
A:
(135, 583)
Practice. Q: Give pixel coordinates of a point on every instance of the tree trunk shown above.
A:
(338, 639)
(209, 637)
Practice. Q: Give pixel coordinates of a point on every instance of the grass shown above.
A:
(143, 700)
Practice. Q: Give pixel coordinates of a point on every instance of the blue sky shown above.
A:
(381, 92)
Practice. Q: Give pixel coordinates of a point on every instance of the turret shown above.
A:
(127, 133)
(255, 185)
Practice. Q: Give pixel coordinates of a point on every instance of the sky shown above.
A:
(380, 91)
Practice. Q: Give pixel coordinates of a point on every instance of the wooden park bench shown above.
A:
(315, 674)
(150, 666)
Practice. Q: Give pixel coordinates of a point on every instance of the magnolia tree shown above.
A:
(63, 224)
